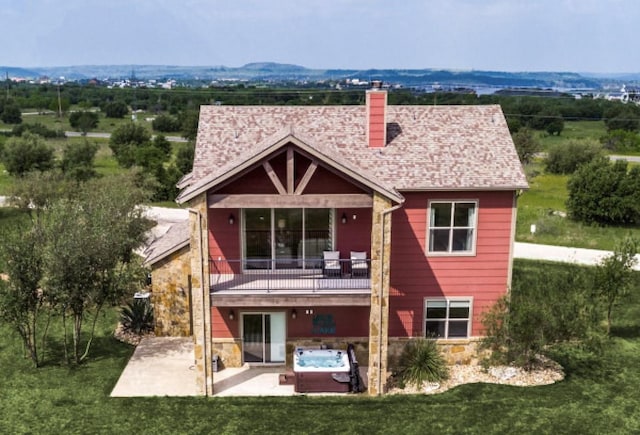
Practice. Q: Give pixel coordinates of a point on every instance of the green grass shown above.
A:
(105, 125)
(599, 395)
(544, 205)
(577, 130)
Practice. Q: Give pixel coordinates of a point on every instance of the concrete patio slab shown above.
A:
(250, 381)
(160, 366)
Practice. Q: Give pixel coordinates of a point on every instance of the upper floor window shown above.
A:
(452, 227)
(286, 238)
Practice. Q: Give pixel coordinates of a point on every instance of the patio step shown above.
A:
(288, 378)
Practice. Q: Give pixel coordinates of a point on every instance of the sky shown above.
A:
(598, 36)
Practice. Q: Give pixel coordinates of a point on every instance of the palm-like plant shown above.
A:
(421, 361)
(137, 316)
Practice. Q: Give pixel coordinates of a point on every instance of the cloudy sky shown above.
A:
(509, 35)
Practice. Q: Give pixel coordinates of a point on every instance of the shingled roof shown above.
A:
(428, 147)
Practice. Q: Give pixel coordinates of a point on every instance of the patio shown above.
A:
(164, 366)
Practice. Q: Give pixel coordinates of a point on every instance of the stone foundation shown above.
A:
(455, 352)
(170, 295)
(229, 352)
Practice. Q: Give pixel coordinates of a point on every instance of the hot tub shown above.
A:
(321, 370)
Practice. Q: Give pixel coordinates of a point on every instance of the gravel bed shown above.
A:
(508, 375)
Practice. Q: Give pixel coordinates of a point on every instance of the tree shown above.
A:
(543, 308)
(621, 140)
(83, 121)
(184, 157)
(189, 123)
(166, 124)
(27, 153)
(35, 192)
(11, 114)
(613, 277)
(162, 144)
(605, 193)
(21, 299)
(619, 117)
(526, 145)
(88, 258)
(116, 109)
(130, 133)
(77, 160)
(125, 140)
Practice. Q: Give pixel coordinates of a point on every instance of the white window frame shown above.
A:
(451, 227)
(447, 320)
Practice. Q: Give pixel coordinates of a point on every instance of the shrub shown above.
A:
(546, 307)
(137, 316)
(420, 362)
(27, 153)
(566, 158)
(605, 193)
(37, 128)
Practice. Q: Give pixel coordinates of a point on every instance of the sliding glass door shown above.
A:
(263, 337)
(286, 238)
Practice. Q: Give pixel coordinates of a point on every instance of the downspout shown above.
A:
(204, 324)
(384, 215)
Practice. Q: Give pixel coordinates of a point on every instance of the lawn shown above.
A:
(544, 205)
(105, 125)
(599, 395)
(578, 130)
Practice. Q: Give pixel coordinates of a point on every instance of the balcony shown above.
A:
(290, 277)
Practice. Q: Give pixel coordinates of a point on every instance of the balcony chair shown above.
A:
(331, 263)
(359, 266)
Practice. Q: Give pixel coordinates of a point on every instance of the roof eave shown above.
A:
(187, 195)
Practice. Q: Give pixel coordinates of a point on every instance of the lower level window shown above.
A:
(447, 318)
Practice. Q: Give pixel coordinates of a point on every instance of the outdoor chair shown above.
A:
(359, 266)
(331, 263)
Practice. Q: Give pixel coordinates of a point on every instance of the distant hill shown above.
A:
(271, 71)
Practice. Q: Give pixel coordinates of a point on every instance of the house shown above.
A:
(328, 225)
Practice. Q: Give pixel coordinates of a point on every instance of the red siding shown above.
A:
(355, 235)
(325, 181)
(415, 276)
(349, 321)
(224, 239)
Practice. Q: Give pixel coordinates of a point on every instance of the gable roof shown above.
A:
(176, 238)
(428, 147)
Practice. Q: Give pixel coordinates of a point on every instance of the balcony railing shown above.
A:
(290, 276)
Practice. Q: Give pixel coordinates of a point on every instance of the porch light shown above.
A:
(232, 315)
(294, 314)
(344, 218)
(232, 219)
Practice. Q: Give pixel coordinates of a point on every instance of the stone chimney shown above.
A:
(376, 116)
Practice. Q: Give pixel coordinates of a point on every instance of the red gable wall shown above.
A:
(415, 276)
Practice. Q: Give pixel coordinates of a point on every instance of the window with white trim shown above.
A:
(452, 227)
(447, 318)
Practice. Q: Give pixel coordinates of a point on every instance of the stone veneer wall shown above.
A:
(170, 294)
(455, 352)
(379, 314)
(200, 298)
